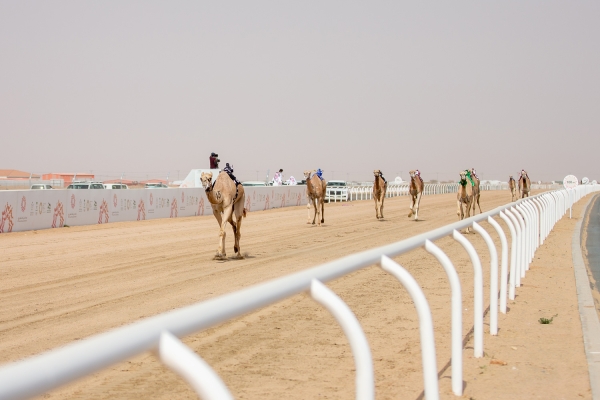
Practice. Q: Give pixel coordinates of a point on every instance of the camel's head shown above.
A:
(377, 172)
(206, 179)
(510, 178)
(463, 177)
(523, 172)
(307, 174)
(412, 173)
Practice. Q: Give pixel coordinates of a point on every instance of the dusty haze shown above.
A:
(150, 88)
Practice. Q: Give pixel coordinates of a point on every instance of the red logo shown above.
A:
(6, 217)
(58, 213)
(151, 199)
(182, 197)
(115, 199)
(174, 208)
(23, 203)
(72, 201)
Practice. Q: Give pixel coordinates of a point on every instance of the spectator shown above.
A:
(278, 178)
(214, 161)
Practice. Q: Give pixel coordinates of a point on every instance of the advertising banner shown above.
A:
(24, 210)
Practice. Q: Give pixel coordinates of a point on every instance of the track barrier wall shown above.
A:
(529, 220)
(24, 210)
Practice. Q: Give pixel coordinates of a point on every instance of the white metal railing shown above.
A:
(529, 220)
(365, 192)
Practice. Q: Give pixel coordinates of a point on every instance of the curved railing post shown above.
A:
(477, 293)
(503, 264)
(365, 383)
(523, 248)
(430, 378)
(525, 217)
(182, 360)
(456, 304)
(514, 228)
(493, 277)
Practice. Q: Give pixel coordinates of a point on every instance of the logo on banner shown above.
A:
(115, 199)
(248, 203)
(103, 212)
(58, 213)
(23, 204)
(182, 197)
(141, 211)
(72, 201)
(6, 216)
(174, 208)
(267, 204)
(201, 207)
(299, 199)
(151, 199)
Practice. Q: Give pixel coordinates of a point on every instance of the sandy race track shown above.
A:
(65, 284)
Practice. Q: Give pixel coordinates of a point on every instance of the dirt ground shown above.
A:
(61, 285)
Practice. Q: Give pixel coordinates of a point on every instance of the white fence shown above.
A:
(529, 220)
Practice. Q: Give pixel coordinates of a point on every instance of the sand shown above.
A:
(66, 284)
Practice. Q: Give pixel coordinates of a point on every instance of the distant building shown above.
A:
(16, 174)
(68, 177)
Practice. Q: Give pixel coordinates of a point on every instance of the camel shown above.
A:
(464, 197)
(416, 191)
(226, 198)
(476, 192)
(315, 192)
(524, 184)
(513, 188)
(379, 190)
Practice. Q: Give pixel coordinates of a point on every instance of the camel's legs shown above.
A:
(416, 206)
(376, 207)
(412, 205)
(314, 204)
(239, 214)
(222, 234)
(308, 210)
(322, 201)
(381, 205)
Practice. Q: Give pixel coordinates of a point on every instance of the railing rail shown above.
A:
(41, 373)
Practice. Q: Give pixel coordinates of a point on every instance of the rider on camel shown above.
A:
(229, 170)
(418, 174)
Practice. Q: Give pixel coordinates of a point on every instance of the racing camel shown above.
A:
(316, 188)
(416, 191)
(513, 188)
(227, 198)
(524, 184)
(379, 190)
(476, 192)
(464, 197)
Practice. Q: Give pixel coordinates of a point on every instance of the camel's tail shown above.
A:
(244, 212)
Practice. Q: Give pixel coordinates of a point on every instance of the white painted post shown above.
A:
(523, 249)
(518, 249)
(456, 304)
(365, 381)
(183, 361)
(511, 221)
(493, 277)
(430, 378)
(477, 294)
(504, 263)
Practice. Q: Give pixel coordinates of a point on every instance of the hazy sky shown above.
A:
(149, 87)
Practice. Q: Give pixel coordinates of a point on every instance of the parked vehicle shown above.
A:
(86, 185)
(254, 183)
(337, 191)
(39, 186)
(156, 185)
(115, 186)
